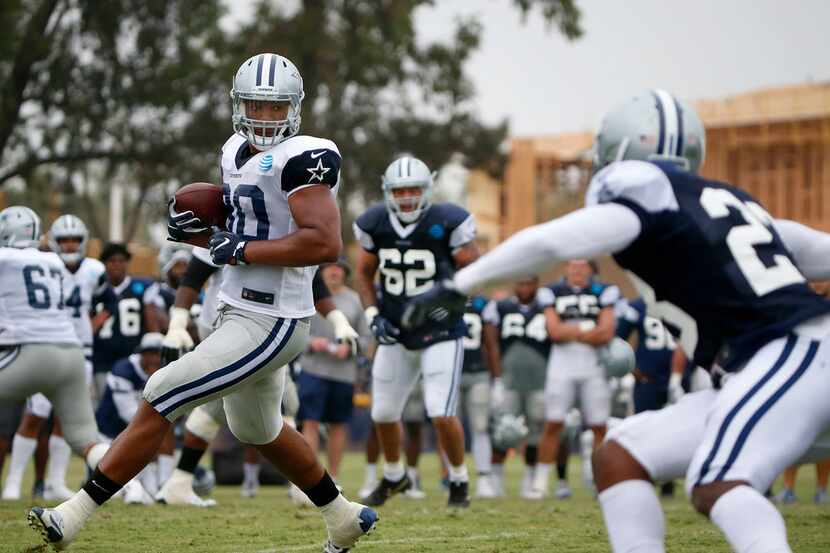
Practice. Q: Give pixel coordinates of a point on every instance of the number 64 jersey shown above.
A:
(412, 258)
(708, 260)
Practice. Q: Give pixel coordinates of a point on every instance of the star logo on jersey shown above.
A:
(318, 172)
(266, 162)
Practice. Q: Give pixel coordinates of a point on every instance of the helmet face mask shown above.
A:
(652, 126)
(19, 227)
(402, 181)
(68, 227)
(266, 78)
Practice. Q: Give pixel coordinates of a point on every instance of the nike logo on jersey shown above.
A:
(315, 155)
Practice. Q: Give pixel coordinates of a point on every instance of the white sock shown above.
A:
(22, 450)
(393, 471)
(371, 472)
(166, 465)
(459, 473)
(750, 522)
(149, 478)
(633, 517)
(541, 476)
(79, 505)
(527, 477)
(497, 474)
(59, 453)
(412, 473)
(334, 512)
(251, 471)
(482, 452)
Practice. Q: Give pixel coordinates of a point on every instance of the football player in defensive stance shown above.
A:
(414, 243)
(279, 188)
(707, 258)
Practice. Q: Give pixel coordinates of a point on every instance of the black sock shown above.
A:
(323, 492)
(100, 488)
(562, 470)
(531, 455)
(189, 459)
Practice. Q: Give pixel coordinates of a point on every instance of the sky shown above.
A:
(702, 49)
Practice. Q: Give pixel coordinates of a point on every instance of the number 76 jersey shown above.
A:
(708, 261)
(412, 258)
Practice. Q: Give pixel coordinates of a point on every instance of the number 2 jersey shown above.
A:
(32, 301)
(256, 188)
(412, 258)
(708, 260)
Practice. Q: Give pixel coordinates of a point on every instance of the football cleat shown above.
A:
(56, 493)
(820, 498)
(360, 521)
(459, 495)
(178, 490)
(249, 488)
(368, 487)
(415, 491)
(485, 488)
(54, 529)
(563, 490)
(37, 490)
(785, 497)
(298, 497)
(386, 489)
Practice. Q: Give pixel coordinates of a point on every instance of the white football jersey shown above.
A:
(32, 298)
(207, 316)
(78, 289)
(256, 191)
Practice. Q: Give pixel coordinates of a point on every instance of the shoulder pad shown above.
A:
(451, 215)
(307, 161)
(641, 183)
(372, 217)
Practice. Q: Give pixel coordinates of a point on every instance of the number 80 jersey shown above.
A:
(412, 258)
(708, 261)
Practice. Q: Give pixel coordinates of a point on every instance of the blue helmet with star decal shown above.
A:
(407, 188)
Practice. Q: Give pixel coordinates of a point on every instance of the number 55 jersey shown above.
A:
(412, 258)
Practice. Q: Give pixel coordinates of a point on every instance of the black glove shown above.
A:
(438, 304)
(181, 227)
(385, 332)
(227, 248)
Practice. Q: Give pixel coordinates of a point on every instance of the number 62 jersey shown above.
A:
(708, 260)
(412, 258)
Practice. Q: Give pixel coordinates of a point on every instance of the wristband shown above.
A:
(675, 379)
(179, 317)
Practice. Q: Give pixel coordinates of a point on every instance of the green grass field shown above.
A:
(271, 524)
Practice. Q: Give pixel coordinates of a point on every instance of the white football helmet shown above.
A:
(268, 78)
(68, 226)
(170, 254)
(652, 125)
(408, 172)
(617, 357)
(508, 431)
(19, 227)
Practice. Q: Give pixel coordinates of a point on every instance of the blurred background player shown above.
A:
(120, 401)
(128, 306)
(172, 262)
(787, 494)
(329, 368)
(517, 348)
(68, 238)
(413, 243)
(580, 320)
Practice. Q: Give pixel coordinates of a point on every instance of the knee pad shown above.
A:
(531, 455)
(202, 425)
(254, 434)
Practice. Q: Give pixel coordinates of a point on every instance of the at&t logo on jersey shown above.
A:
(266, 162)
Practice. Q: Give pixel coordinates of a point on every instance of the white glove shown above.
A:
(497, 393)
(343, 331)
(675, 388)
(177, 336)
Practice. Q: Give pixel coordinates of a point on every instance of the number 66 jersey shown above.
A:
(708, 260)
(412, 258)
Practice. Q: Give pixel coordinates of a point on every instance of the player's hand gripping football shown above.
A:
(182, 226)
(343, 331)
(438, 304)
(177, 341)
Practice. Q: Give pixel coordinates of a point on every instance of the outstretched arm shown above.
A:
(810, 248)
(585, 233)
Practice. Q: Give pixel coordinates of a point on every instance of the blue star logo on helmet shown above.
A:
(436, 231)
(266, 162)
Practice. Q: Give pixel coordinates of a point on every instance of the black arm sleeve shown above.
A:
(197, 273)
(319, 289)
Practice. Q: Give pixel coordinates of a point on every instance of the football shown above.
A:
(205, 201)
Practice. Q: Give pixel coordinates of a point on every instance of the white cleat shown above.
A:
(563, 490)
(135, 494)
(534, 494)
(485, 488)
(367, 488)
(54, 528)
(249, 489)
(178, 490)
(10, 494)
(299, 498)
(358, 521)
(57, 493)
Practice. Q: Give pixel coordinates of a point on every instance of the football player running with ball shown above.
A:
(710, 260)
(414, 243)
(283, 220)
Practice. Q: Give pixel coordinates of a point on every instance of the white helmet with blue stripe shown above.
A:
(407, 172)
(267, 78)
(19, 227)
(68, 226)
(652, 125)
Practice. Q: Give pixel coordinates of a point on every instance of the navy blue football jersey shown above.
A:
(518, 322)
(166, 297)
(576, 304)
(412, 258)
(121, 396)
(708, 260)
(473, 359)
(121, 334)
(655, 344)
